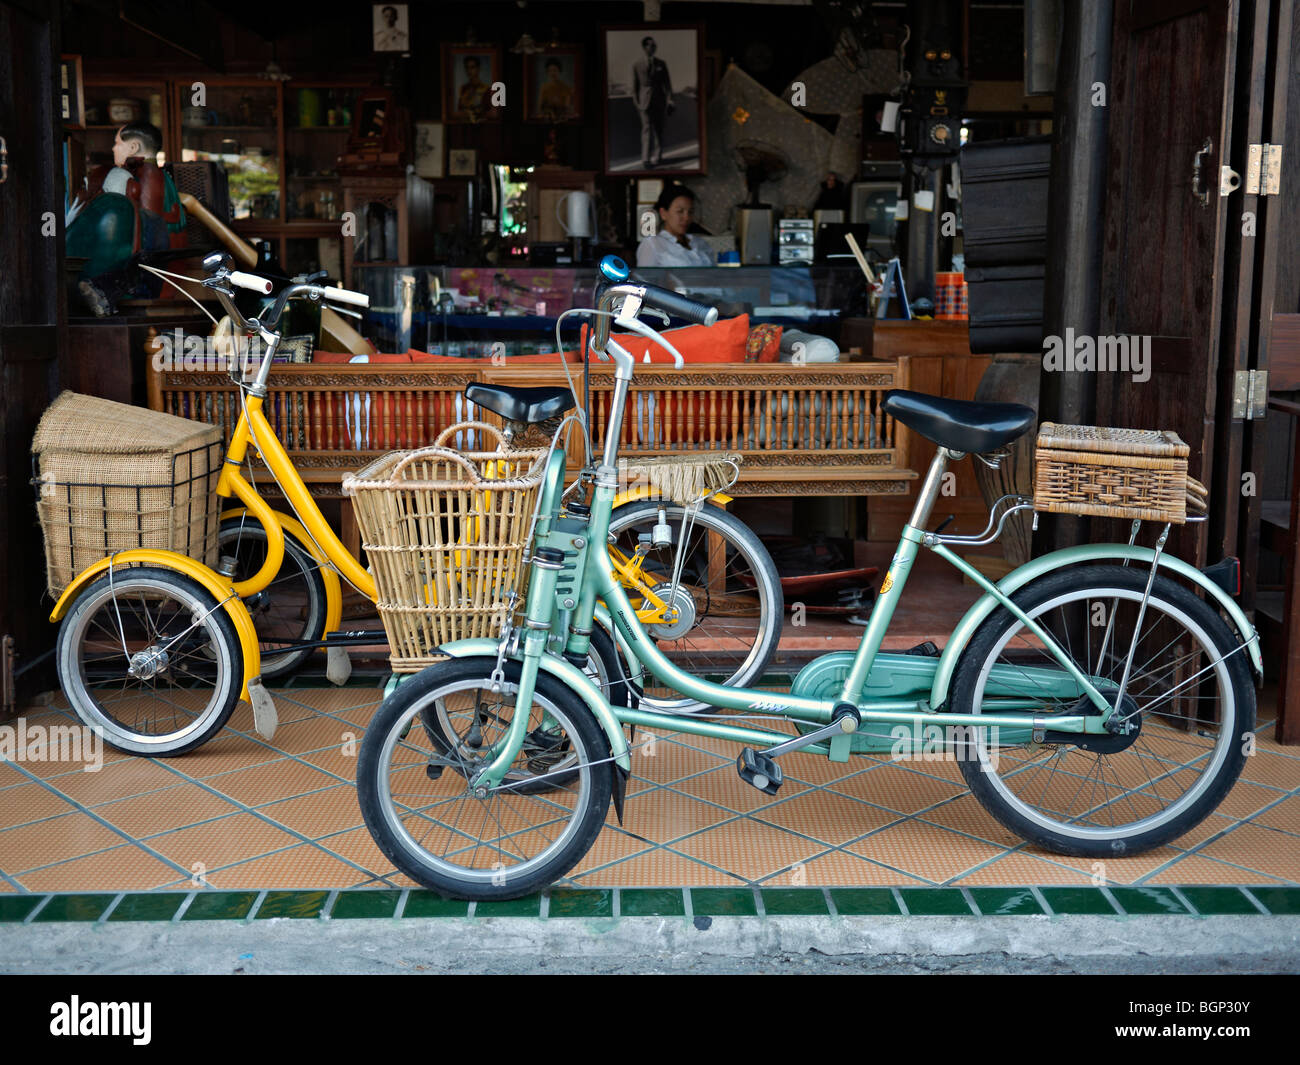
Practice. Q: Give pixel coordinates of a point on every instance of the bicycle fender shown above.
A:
(1073, 556)
(572, 677)
(645, 491)
(218, 585)
(333, 586)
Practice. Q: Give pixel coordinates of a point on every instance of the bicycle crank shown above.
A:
(759, 768)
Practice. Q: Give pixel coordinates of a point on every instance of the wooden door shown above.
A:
(1170, 104)
(32, 317)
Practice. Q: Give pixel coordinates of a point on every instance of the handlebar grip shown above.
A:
(249, 281)
(679, 306)
(343, 295)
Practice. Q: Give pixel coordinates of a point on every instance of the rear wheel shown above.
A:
(518, 837)
(148, 656)
(291, 607)
(1189, 706)
(729, 606)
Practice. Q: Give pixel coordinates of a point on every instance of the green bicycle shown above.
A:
(1097, 699)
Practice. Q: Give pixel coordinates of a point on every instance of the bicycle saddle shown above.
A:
(959, 424)
(529, 405)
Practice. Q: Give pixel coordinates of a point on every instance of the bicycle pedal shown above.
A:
(759, 770)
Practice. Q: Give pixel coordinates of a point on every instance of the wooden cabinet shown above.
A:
(390, 217)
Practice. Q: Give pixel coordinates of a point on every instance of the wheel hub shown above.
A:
(147, 664)
(681, 612)
(1123, 728)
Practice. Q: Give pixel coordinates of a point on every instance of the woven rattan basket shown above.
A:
(110, 477)
(1114, 473)
(445, 533)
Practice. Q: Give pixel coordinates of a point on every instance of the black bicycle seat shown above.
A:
(529, 405)
(959, 424)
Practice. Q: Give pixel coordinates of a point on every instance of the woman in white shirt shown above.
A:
(671, 246)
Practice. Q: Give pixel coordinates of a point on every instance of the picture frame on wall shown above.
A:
(553, 88)
(390, 27)
(468, 73)
(462, 162)
(654, 99)
(72, 97)
(429, 149)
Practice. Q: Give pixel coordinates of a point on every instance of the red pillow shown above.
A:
(511, 360)
(723, 341)
(344, 356)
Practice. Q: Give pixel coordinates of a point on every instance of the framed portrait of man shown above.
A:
(391, 28)
(428, 149)
(654, 99)
(468, 73)
(553, 85)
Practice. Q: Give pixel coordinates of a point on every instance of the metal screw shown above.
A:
(569, 604)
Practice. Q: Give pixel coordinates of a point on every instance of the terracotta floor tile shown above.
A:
(1116, 870)
(268, 783)
(924, 850)
(339, 761)
(11, 777)
(357, 846)
(224, 842)
(657, 868)
(1264, 849)
(898, 788)
(1246, 798)
(331, 700)
(121, 780)
(301, 867)
(612, 845)
(312, 734)
(160, 811)
(56, 840)
(1266, 768)
(30, 802)
(125, 868)
(1195, 869)
(843, 868)
(320, 814)
(226, 753)
(827, 816)
(749, 849)
(1019, 868)
(1285, 816)
(965, 814)
(662, 816)
(724, 787)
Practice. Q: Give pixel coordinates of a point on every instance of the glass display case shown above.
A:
(452, 310)
(317, 121)
(238, 127)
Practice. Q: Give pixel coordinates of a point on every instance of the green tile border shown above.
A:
(1119, 901)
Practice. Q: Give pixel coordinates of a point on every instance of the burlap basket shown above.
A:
(445, 534)
(1114, 473)
(110, 477)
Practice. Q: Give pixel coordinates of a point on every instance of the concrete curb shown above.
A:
(662, 944)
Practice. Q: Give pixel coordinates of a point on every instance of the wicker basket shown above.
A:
(445, 533)
(1114, 473)
(111, 477)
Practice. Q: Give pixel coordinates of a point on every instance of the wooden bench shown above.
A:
(801, 430)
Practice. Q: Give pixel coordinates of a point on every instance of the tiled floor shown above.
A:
(244, 814)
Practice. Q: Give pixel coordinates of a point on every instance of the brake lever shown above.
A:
(635, 325)
(665, 318)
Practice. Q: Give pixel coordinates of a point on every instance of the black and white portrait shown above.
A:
(654, 108)
(391, 29)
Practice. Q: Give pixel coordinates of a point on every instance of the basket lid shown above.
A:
(74, 422)
(1154, 443)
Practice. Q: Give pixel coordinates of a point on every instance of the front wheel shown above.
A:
(727, 609)
(415, 794)
(1188, 709)
(148, 656)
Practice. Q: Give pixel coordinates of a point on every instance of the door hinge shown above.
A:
(1264, 169)
(9, 695)
(1249, 394)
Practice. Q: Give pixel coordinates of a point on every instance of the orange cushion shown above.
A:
(724, 341)
(511, 360)
(373, 358)
(332, 356)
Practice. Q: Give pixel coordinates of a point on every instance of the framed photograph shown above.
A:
(462, 162)
(371, 114)
(428, 149)
(468, 73)
(654, 101)
(72, 99)
(553, 85)
(391, 28)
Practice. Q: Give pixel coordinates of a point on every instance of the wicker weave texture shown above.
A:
(112, 477)
(445, 533)
(1114, 473)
